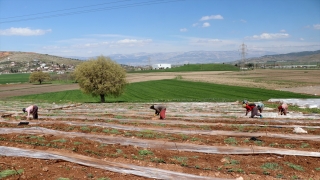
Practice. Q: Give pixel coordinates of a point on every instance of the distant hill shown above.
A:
(26, 62)
(128, 61)
(16, 56)
(304, 57)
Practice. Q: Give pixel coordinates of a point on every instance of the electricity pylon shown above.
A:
(243, 50)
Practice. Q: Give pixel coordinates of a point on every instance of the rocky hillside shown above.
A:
(24, 62)
(303, 58)
(30, 57)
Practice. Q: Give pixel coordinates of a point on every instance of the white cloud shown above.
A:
(183, 30)
(316, 26)
(207, 41)
(205, 18)
(206, 24)
(282, 30)
(107, 35)
(195, 24)
(23, 32)
(301, 39)
(133, 41)
(268, 36)
(242, 20)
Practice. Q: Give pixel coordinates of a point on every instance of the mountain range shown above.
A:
(303, 57)
(174, 58)
(179, 58)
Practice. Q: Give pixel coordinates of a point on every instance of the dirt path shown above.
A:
(27, 89)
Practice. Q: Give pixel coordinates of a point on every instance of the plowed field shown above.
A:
(195, 141)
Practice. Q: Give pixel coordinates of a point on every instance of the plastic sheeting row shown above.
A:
(97, 163)
(173, 131)
(164, 144)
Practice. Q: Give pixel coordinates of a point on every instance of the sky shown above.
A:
(86, 28)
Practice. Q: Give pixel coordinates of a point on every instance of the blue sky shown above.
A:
(104, 27)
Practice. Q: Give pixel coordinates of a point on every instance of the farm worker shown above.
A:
(33, 109)
(283, 108)
(260, 106)
(254, 112)
(248, 106)
(159, 109)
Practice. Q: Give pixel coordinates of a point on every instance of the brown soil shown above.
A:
(252, 166)
(229, 166)
(300, 81)
(10, 90)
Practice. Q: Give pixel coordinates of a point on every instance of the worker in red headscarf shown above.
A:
(283, 108)
(253, 108)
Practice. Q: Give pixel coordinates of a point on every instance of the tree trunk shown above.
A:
(40, 81)
(102, 98)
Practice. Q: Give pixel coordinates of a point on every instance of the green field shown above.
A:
(196, 67)
(170, 91)
(14, 78)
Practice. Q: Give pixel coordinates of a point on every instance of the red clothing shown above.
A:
(159, 109)
(249, 107)
(163, 114)
(283, 109)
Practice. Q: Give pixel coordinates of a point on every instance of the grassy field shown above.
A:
(24, 78)
(14, 78)
(170, 91)
(196, 67)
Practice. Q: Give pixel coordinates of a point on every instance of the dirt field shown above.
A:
(300, 81)
(195, 141)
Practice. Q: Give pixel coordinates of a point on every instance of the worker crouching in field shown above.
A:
(159, 110)
(254, 112)
(33, 109)
(248, 106)
(253, 108)
(283, 108)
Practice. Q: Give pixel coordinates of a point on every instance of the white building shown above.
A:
(161, 66)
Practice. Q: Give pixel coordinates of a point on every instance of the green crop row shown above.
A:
(170, 91)
(14, 78)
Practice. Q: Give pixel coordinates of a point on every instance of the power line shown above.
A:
(62, 10)
(86, 11)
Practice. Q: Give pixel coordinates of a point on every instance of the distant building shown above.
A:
(161, 66)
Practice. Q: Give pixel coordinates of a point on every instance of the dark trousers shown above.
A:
(35, 112)
(283, 111)
(254, 112)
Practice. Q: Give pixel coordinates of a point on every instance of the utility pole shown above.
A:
(149, 60)
(243, 51)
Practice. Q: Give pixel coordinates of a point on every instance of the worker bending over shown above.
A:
(159, 110)
(253, 108)
(33, 109)
(283, 108)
